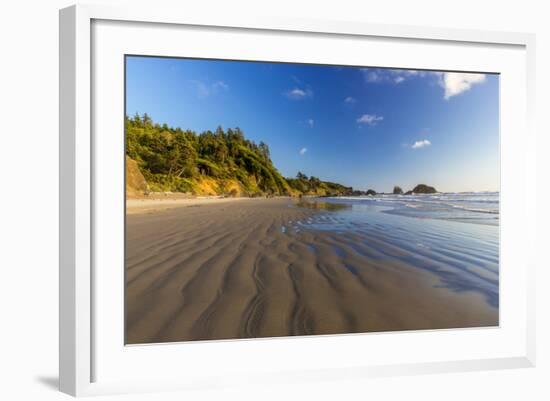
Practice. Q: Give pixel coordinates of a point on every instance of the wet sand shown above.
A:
(234, 269)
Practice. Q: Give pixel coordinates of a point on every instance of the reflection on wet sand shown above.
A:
(463, 256)
(314, 203)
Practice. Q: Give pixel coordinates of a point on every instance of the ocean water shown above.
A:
(453, 235)
(469, 207)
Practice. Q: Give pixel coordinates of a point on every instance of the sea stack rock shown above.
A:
(424, 189)
(397, 190)
(371, 192)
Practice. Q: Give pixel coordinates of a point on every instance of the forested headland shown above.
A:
(208, 163)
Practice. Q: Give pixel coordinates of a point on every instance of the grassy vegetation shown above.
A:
(212, 163)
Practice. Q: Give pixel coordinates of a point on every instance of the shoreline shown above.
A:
(162, 201)
(150, 205)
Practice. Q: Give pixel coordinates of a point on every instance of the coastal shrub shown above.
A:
(165, 183)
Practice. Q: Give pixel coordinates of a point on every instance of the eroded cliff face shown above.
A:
(136, 185)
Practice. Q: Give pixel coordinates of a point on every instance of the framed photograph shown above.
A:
(273, 200)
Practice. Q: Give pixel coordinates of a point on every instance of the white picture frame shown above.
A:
(79, 316)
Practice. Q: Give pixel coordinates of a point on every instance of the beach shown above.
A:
(147, 205)
(210, 269)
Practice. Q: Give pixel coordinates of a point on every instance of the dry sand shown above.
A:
(154, 204)
(221, 269)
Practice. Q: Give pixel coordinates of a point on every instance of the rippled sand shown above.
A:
(247, 269)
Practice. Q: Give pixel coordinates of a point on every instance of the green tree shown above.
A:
(172, 159)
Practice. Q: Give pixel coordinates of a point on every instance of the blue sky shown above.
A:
(362, 127)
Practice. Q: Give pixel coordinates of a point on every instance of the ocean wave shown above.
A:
(446, 206)
(475, 210)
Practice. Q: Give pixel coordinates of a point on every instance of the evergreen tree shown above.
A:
(172, 159)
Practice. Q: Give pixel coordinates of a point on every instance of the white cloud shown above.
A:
(372, 76)
(369, 119)
(303, 151)
(390, 75)
(350, 99)
(298, 94)
(455, 83)
(421, 144)
(310, 122)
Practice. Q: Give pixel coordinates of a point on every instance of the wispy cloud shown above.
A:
(299, 94)
(205, 89)
(369, 119)
(390, 76)
(350, 100)
(455, 83)
(303, 151)
(421, 144)
(310, 122)
(202, 89)
(220, 85)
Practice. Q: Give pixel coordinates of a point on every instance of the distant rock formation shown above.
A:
(371, 192)
(397, 190)
(423, 189)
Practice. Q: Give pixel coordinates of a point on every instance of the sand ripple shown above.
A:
(230, 270)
